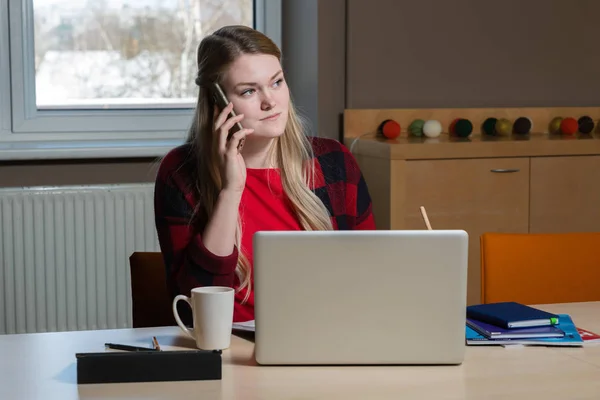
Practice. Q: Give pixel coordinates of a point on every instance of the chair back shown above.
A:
(151, 303)
(540, 268)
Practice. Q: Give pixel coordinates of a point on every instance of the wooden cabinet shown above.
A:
(565, 194)
(536, 185)
(476, 195)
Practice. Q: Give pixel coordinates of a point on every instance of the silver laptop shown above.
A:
(360, 297)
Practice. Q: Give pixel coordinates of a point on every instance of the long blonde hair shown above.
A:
(292, 150)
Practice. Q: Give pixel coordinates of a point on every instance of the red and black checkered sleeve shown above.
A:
(358, 198)
(188, 262)
(341, 186)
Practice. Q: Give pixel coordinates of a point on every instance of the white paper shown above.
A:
(244, 326)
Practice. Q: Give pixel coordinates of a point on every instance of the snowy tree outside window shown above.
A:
(103, 54)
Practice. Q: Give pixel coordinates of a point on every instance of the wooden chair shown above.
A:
(151, 303)
(540, 268)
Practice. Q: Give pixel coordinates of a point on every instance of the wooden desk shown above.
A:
(36, 366)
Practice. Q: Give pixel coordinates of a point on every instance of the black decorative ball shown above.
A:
(522, 126)
(489, 126)
(463, 128)
(586, 124)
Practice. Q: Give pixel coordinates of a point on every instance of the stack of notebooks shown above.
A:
(510, 323)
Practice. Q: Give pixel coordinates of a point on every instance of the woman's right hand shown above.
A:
(232, 165)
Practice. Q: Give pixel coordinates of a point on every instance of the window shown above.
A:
(107, 78)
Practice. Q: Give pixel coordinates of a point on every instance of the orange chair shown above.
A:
(540, 268)
(151, 304)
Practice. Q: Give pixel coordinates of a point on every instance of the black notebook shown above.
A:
(511, 315)
(148, 366)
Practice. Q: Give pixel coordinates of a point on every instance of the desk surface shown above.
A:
(43, 365)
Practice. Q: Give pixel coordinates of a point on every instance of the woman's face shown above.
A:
(255, 85)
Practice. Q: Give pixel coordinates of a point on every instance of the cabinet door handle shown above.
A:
(505, 170)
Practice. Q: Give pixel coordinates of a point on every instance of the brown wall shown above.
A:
(314, 59)
(67, 172)
(406, 53)
(332, 66)
(472, 53)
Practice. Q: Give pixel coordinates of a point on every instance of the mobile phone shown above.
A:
(222, 101)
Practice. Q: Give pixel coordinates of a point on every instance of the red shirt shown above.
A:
(339, 184)
(264, 207)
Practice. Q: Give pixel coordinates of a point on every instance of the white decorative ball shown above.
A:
(432, 128)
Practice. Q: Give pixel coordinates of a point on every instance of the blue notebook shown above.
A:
(511, 315)
(495, 332)
(571, 337)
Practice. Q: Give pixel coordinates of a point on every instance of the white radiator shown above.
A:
(64, 255)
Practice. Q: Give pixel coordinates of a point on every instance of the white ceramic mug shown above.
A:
(212, 310)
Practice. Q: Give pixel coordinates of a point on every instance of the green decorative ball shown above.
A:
(503, 127)
(489, 126)
(416, 127)
(554, 126)
(463, 128)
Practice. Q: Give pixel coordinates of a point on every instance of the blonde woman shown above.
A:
(213, 193)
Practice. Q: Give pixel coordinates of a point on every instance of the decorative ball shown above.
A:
(569, 126)
(389, 128)
(452, 127)
(503, 126)
(416, 127)
(489, 126)
(463, 128)
(432, 128)
(554, 126)
(586, 124)
(522, 126)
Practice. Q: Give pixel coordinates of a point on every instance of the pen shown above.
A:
(116, 346)
(425, 218)
(155, 343)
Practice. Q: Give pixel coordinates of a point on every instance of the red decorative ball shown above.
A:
(569, 126)
(390, 129)
(451, 130)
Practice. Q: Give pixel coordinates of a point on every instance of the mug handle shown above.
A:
(187, 330)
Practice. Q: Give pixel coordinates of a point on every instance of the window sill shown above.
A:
(85, 149)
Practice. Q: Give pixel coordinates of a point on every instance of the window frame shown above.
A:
(5, 119)
(29, 133)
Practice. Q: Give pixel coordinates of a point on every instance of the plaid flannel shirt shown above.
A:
(339, 184)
